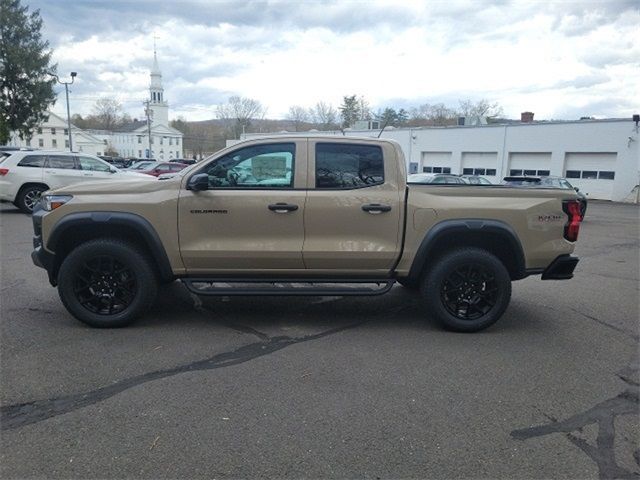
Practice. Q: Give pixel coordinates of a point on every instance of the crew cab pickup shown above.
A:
(312, 215)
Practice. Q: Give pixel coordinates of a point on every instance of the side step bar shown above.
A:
(299, 287)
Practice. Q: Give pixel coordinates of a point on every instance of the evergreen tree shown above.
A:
(26, 89)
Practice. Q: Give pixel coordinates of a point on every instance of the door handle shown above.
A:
(376, 208)
(87, 174)
(282, 207)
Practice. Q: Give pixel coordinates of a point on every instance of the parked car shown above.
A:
(116, 161)
(547, 182)
(162, 168)
(141, 165)
(475, 180)
(334, 227)
(186, 161)
(24, 175)
(442, 178)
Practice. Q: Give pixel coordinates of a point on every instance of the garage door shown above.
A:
(530, 163)
(592, 173)
(480, 163)
(437, 162)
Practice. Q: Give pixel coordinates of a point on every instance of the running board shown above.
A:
(306, 287)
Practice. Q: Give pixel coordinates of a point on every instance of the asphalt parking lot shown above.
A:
(328, 387)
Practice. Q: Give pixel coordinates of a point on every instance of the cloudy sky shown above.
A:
(559, 59)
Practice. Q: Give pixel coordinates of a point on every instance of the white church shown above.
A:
(133, 140)
(130, 141)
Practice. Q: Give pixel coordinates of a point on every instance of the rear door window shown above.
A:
(347, 166)
(65, 162)
(36, 161)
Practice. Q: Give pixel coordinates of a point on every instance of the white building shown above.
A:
(133, 140)
(53, 134)
(601, 157)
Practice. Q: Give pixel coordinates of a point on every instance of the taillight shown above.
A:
(572, 227)
(3, 171)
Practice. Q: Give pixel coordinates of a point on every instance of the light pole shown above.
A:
(66, 91)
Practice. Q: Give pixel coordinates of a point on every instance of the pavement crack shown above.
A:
(199, 307)
(605, 324)
(20, 415)
(602, 414)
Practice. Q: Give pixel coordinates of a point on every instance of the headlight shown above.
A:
(51, 202)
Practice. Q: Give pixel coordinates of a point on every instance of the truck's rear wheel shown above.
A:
(467, 290)
(106, 283)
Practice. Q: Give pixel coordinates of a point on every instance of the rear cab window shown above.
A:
(348, 166)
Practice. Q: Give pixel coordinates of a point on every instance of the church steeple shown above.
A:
(158, 104)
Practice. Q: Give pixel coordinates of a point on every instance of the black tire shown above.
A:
(467, 290)
(28, 197)
(408, 284)
(107, 283)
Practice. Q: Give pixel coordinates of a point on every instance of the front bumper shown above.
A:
(561, 268)
(40, 257)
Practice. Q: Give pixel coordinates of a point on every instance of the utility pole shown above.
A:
(149, 113)
(66, 90)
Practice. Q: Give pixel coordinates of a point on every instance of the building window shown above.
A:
(479, 171)
(53, 131)
(177, 141)
(139, 139)
(28, 142)
(515, 173)
(39, 130)
(66, 143)
(491, 172)
(529, 172)
(139, 153)
(589, 174)
(170, 140)
(543, 173)
(152, 141)
(606, 175)
(572, 174)
(177, 154)
(467, 171)
(161, 140)
(66, 131)
(54, 143)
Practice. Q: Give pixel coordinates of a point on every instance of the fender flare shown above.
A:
(116, 219)
(457, 226)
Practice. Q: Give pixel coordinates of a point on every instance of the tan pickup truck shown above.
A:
(312, 215)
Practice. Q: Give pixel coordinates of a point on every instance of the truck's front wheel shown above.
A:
(467, 290)
(106, 283)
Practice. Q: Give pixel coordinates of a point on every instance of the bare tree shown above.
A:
(481, 108)
(298, 116)
(107, 112)
(238, 112)
(325, 115)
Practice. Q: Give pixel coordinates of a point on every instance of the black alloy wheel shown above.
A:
(469, 292)
(107, 282)
(105, 286)
(466, 289)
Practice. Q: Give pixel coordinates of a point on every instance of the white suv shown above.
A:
(24, 175)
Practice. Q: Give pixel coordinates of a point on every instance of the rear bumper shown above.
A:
(561, 268)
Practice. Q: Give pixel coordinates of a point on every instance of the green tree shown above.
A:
(26, 89)
(349, 110)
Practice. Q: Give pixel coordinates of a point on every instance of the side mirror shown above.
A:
(112, 170)
(576, 189)
(198, 182)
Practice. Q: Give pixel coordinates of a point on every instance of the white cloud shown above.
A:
(559, 61)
